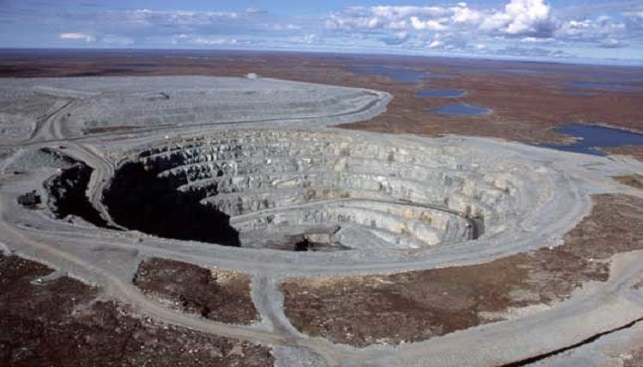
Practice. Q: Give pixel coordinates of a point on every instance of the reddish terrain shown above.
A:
(63, 322)
(527, 99)
(417, 305)
(214, 294)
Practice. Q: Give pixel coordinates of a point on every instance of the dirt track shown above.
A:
(109, 258)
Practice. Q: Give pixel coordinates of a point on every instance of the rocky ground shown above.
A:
(635, 180)
(211, 293)
(413, 306)
(528, 99)
(50, 320)
(552, 276)
(635, 152)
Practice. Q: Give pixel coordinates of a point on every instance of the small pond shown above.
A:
(460, 109)
(591, 137)
(399, 73)
(607, 86)
(441, 93)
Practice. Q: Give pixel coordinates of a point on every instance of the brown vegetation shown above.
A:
(634, 152)
(60, 322)
(413, 306)
(214, 294)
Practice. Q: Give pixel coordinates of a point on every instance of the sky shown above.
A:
(610, 31)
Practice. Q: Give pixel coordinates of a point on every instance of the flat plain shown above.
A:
(258, 209)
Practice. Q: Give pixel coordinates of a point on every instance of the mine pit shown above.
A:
(66, 194)
(244, 217)
(307, 190)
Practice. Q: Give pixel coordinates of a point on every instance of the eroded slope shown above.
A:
(418, 305)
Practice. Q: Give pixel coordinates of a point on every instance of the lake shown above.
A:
(441, 93)
(591, 137)
(460, 109)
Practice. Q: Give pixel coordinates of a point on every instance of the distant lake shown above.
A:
(592, 137)
(399, 73)
(610, 86)
(441, 93)
(460, 109)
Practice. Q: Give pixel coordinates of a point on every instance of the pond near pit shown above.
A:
(441, 93)
(397, 72)
(460, 109)
(590, 138)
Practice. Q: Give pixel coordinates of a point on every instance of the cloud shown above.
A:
(200, 40)
(255, 11)
(115, 40)
(396, 38)
(538, 40)
(77, 37)
(306, 39)
(159, 28)
(532, 52)
(461, 27)
(511, 27)
(444, 42)
(518, 18)
(432, 25)
(522, 18)
(595, 31)
(634, 20)
(612, 43)
(464, 15)
(435, 44)
(401, 12)
(530, 17)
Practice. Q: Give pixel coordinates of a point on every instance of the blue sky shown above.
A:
(554, 29)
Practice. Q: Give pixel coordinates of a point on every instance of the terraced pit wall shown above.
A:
(270, 186)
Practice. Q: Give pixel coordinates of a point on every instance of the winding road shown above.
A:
(108, 258)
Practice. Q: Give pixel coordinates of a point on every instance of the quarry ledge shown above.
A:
(407, 198)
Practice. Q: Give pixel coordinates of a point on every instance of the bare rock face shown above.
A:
(423, 243)
(138, 199)
(294, 189)
(113, 104)
(67, 194)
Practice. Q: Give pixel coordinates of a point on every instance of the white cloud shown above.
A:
(206, 40)
(282, 27)
(435, 44)
(77, 37)
(179, 17)
(453, 26)
(522, 18)
(456, 27)
(462, 27)
(529, 17)
(400, 12)
(386, 17)
(597, 30)
(538, 40)
(533, 51)
(463, 14)
(432, 25)
(612, 43)
(306, 39)
(255, 11)
(115, 40)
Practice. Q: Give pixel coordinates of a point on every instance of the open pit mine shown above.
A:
(228, 211)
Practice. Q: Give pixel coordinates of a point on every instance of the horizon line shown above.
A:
(405, 53)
